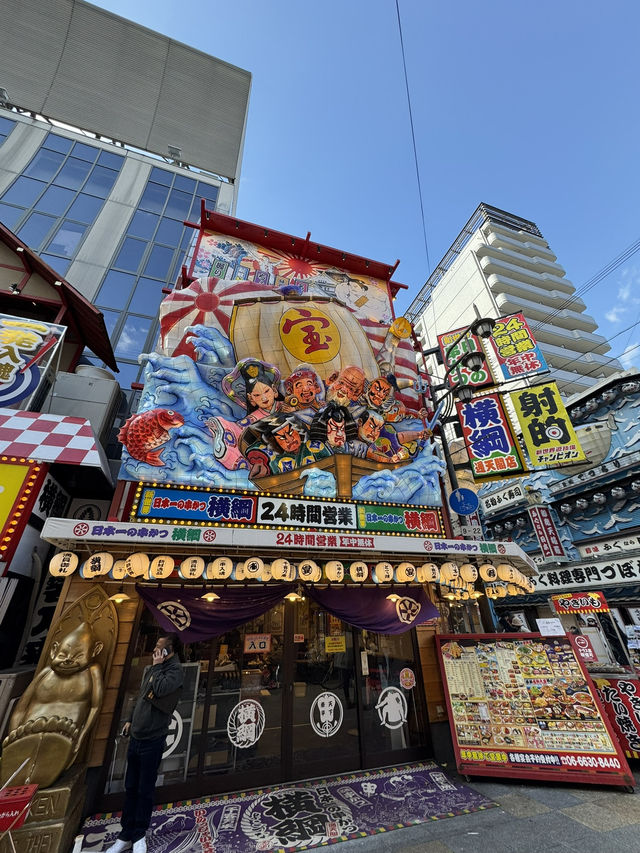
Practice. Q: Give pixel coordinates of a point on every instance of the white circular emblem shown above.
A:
(326, 714)
(246, 723)
(173, 735)
(176, 613)
(392, 708)
(408, 609)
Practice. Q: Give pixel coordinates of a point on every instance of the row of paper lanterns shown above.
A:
(141, 566)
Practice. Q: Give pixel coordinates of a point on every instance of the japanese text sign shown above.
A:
(452, 347)
(546, 532)
(587, 575)
(584, 647)
(515, 348)
(548, 433)
(621, 699)
(492, 449)
(580, 602)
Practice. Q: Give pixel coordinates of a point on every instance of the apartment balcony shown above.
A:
(533, 292)
(570, 383)
(498, 266)
(539, 312)
(519, 241)
(583, 362)
(570, 339)
(514, 256)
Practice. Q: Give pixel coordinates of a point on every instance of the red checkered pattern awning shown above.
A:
(50, 438)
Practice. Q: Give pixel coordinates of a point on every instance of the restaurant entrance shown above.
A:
(294, 694)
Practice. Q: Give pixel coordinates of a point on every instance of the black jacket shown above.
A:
(159, 694)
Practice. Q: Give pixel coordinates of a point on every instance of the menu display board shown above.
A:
(523, 705)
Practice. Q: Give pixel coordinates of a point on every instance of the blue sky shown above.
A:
(531, 107)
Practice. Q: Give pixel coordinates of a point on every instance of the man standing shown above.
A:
(157, 700)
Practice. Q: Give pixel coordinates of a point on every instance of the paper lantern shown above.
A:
(488, 572)
(96, 564)
(448, 571)
(502, 589)
(266, 575)
(238, 572)
(514, 589)
(382, 573)
(507, 572)
(406, 573)
(137, 565)
(162, 567)
(118, 570)
(191, 568)
(457, 583)
(530, 585)
(492, 590)
(359, 571)
(309, 571)
(334, 571)
(468, 572)
(63, 564)
(219, 569)
(282, 570)
(462, 595)
(428, 573)
(253, 568)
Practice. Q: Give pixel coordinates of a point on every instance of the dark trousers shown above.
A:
(143, 760)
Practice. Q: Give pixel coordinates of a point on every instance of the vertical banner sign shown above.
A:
(621, 699)
(523, 706)
(546, 532)
(515, 348)
(580, 602)
(493, 451)
(547, 431)
(452, 348)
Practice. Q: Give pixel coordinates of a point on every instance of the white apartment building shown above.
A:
(502, 264)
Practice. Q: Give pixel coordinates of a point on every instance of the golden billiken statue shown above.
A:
(157, 700)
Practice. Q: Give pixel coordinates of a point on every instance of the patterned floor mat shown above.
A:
(299, 816)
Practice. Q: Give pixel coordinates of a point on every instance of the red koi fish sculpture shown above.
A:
(144, 434)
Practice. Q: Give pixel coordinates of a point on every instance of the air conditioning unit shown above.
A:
(83, 396)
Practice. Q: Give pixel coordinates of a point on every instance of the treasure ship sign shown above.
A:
(296, 381)
(320, 332)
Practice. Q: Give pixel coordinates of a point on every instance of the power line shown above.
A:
(413, 139)
(592, 282)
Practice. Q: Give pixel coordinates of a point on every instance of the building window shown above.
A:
(65, 184)
(148, 260)
(6, 126)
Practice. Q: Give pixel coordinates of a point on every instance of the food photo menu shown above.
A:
(525, 702)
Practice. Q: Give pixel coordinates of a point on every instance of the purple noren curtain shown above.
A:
(369, 607)
(183, 610)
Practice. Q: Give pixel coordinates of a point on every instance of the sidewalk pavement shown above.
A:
(542, 817)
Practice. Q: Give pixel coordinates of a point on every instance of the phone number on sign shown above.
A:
(597, 761)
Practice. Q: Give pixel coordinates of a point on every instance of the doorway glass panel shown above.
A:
(325, 719)
(390, 705)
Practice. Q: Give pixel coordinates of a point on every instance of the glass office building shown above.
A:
(108, 219)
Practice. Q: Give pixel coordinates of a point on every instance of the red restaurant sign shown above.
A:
(580, 602)
(621, 699)
(546, 532)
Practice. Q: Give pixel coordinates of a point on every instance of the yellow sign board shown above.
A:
(335, 644)
(12, 479)
(548, 433)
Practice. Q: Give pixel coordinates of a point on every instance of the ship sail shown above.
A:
(288, 332)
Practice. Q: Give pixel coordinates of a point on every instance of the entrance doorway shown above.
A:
(294, 694)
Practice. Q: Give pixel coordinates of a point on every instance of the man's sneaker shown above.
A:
(118, 846)
(140, 846)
